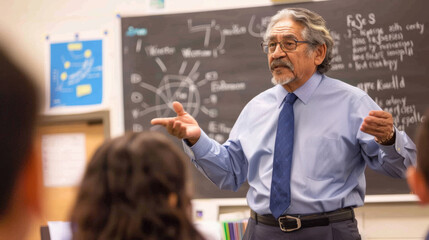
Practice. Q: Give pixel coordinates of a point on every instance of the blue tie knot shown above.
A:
(291, 98)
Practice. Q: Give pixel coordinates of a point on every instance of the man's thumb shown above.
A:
(178, 108)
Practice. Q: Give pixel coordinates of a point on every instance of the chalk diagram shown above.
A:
(179, 87)
(155, 100)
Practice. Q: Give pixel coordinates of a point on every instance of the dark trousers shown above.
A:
(345, 230)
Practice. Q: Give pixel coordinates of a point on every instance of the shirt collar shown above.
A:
(303, 93)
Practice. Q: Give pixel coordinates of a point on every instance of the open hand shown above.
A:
(182, 126)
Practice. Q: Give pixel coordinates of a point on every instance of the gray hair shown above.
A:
(315, 31)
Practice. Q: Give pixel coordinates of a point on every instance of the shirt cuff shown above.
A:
(202, 146)
(390, 150)
(400, 143)
(188, 150)
(396, 148)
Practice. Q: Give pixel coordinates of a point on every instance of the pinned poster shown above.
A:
(74, 74)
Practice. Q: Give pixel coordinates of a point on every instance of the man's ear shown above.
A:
(30, 185)
(417, 183)
(320, 54)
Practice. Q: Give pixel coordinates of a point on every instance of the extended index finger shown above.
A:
(160, 121)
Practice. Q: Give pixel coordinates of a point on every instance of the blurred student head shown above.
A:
(418, 178)
(135, 187)
(19, 102)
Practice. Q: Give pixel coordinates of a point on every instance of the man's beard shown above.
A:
(282, 80)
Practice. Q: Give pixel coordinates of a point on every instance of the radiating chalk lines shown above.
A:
(179, 87)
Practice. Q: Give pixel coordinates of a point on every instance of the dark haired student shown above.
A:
(135, 187)
(418, 178)
(19, 185)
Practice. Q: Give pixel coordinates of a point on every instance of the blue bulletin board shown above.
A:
(76, 73)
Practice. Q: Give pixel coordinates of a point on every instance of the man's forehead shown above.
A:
(282, 36)
(286, 28)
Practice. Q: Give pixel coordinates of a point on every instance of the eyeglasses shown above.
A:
(285, 45)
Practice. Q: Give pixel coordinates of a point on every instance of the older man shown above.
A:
(302, 145)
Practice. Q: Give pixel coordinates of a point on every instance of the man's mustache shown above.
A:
(279, 63)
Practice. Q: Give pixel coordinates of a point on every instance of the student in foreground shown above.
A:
(19, 188)
(135, 187)
(418, 178)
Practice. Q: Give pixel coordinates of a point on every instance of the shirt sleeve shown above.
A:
(392, 160)
(224, 165)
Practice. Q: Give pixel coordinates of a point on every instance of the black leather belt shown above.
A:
(289, 223)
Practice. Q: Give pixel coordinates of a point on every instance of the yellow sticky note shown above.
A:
(83, 90)
(74, 46)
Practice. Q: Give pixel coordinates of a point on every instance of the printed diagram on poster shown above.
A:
(76, 73)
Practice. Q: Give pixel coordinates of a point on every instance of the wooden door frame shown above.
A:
(89, 118)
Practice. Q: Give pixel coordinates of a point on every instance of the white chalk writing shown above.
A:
(219, 86)
(154, 51)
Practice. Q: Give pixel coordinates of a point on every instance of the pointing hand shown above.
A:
(182, 126)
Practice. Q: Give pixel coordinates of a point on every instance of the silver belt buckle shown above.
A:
(283, 227)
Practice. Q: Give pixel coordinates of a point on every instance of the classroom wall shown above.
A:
(25, 24)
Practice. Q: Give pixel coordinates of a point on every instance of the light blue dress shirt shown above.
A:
(329, 155)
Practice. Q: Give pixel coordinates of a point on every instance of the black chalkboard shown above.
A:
(213, 64)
